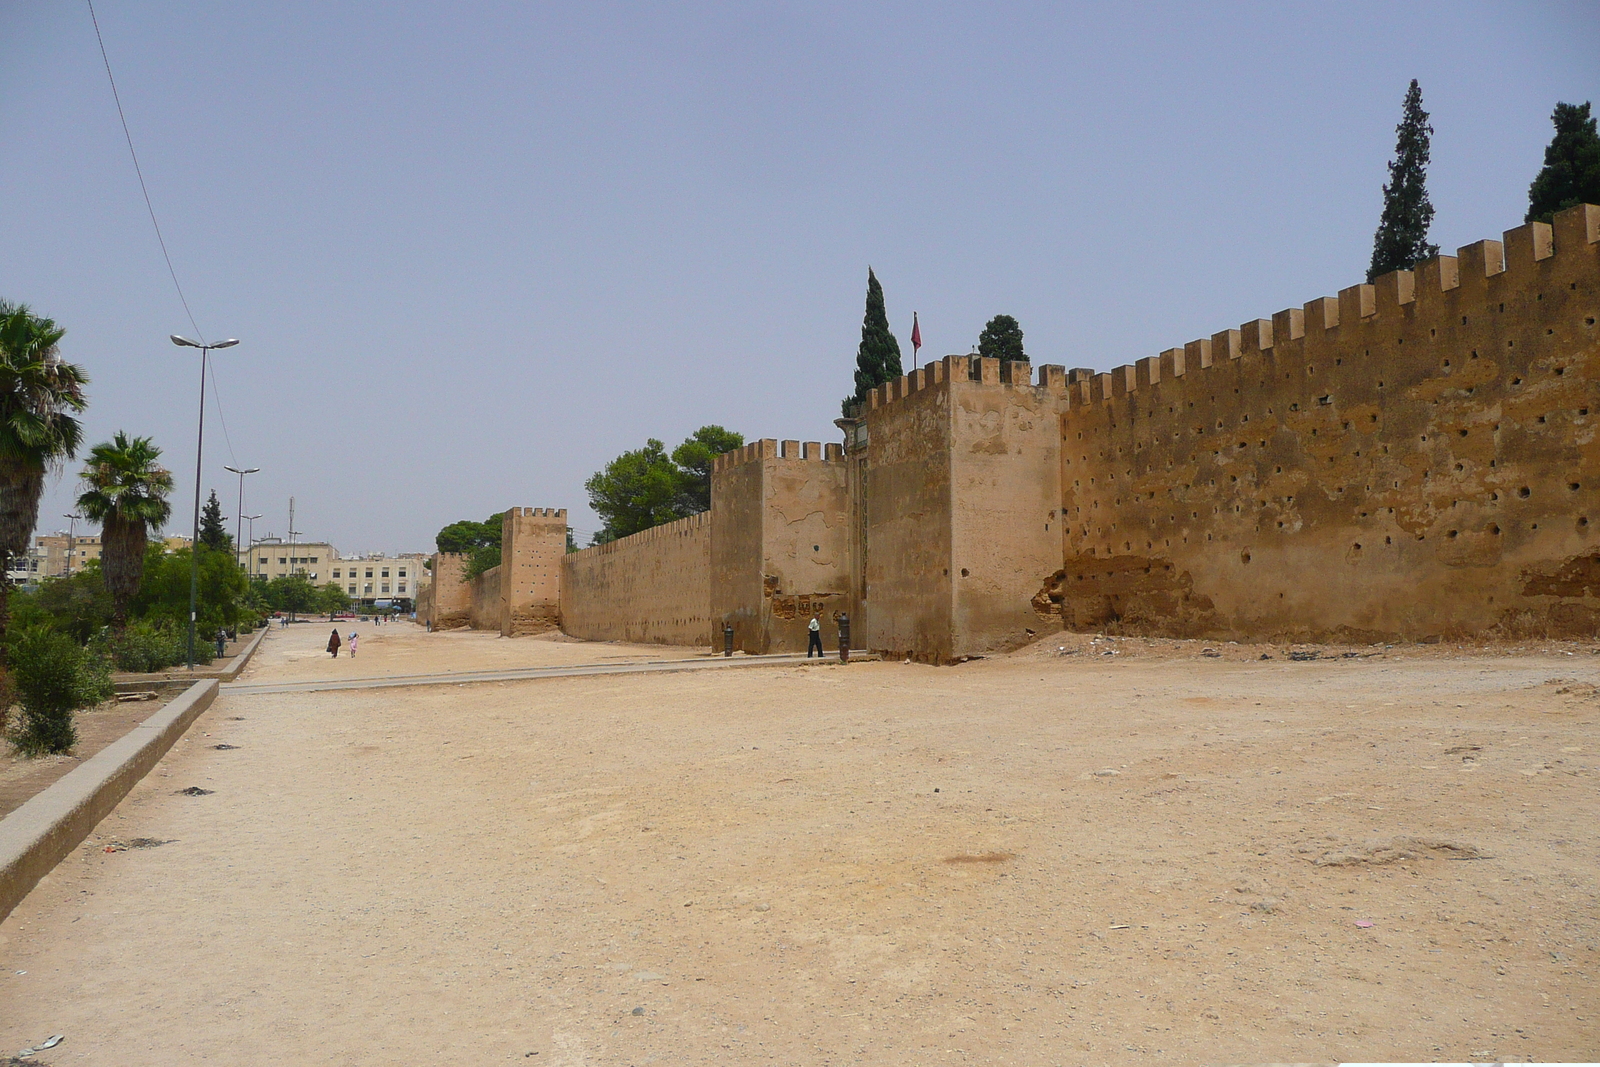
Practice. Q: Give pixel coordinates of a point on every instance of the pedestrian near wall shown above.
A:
(333, 643)
(815, 642)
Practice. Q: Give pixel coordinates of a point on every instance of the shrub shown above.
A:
(53, 677)
(144, 647)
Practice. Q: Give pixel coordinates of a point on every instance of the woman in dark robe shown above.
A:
(333, 643)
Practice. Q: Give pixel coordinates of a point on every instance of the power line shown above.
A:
(140, 172)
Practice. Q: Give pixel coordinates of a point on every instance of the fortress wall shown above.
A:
(779, 547)
(533, 542)
(652, 588)
(1005, 470)
(447, 600)
(962, 490)
(1413, 457)
(486, 609)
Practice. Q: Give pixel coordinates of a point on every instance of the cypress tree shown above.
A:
(213, 533)
(1571, 173)
(878, 357)
(1402, 238)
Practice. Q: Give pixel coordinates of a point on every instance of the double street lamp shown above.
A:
(199, 448)
(238, 524)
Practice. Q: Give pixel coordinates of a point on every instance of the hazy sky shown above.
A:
(475, 250)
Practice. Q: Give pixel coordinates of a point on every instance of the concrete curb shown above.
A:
(237, 664)
(45, 830)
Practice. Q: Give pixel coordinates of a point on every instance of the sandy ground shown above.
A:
(1157, 856)
(299, 653)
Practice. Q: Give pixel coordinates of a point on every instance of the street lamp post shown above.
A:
(199, 449)
(251, 519)
(238, 523)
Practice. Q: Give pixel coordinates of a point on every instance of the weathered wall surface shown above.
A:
(486, 608)
(446, 601)
(905, 598)
(779, 543)
(1411, 458)
(1005, 463)
(962, 491)
(533, 542)
(653, 587)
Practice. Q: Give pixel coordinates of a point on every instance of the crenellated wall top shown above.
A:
(684, 527)
(771, 448)
(1419, 294)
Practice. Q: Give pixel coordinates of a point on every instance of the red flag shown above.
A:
(916, 334)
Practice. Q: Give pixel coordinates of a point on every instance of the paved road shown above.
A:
(522, 674)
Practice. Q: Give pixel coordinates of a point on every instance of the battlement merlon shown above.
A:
(550, 514)
(1571, 234)
(770, 448)
(676, 528)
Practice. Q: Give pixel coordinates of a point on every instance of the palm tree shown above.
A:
(39, 394)
(125, 491)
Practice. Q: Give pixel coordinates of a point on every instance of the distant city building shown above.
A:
(273, 558)
(53, 556)
(369, 579)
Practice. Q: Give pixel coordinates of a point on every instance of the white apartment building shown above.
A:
(373, 578)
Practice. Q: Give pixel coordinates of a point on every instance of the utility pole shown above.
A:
(72, 527)
(293, 533)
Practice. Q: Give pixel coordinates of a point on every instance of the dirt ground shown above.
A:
(1061, 856)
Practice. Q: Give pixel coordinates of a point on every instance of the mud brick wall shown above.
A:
(962, 495)
(653, 587)
(779, 544)
(447, 600)
(1410, 458)
(532, 544)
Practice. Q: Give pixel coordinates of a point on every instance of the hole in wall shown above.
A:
(965, 573)
(1524, 492)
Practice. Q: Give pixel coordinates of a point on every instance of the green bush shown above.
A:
(144, 647)
(53, 677)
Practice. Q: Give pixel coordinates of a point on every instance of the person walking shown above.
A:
(815, 642)
(333, 643)
(352, 644)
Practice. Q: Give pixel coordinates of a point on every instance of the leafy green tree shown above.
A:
(291, 592)
(331, 598)
(125, 491)
(483, 558)
(1571, 173)
(1402, 238)
(878, 356)
(466, 535)
(1002, 339)
(39, 395)
(163, 597)
(634, 492)
(694, 458)
(213, 531)
(78, 605)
